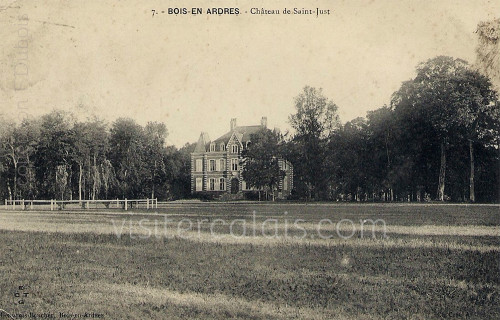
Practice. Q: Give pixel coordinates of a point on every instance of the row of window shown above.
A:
(216, 184)
(216, 165)
(234, 148)
(219, 184)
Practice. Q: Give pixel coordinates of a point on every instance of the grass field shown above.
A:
(230, 261)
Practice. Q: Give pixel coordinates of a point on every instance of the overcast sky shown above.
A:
(194, 73)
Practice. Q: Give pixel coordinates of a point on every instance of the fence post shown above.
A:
(147, 205)
(117, 203)
(14, 204)
(51, 205)
(31, 205)
(23, 207)
(156, 203)
(87, 204)
(126, 204)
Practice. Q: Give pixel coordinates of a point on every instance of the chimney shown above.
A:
(233, 123)
(263, 122)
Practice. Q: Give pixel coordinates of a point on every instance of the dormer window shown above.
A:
(212, 147)
(235, 148)
(222, 147)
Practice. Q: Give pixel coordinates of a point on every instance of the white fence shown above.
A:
(53, 204)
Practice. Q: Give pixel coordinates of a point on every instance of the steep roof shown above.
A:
(202, 141)
(243, 134)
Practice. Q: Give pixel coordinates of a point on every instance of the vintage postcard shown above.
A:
(268, 159)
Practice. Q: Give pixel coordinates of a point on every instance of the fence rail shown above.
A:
(53, 204)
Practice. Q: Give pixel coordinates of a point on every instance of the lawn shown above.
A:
(434, 261)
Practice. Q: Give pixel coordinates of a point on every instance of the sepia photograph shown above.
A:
(267, 159)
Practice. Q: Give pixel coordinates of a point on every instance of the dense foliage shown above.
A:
(57, 157)
(438, 140)
(260, 159)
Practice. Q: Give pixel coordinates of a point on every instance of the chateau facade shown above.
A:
(215, 165)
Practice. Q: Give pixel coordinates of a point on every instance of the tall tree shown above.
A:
(451, 98)
(12, 152)
(260, 161)
(128, 158)
(90, 148)
(478, 112)
(348, 161)
(108, 177)
(81, 153)
(178, 169)
(6, 160)
(314, 120)
(430, 95)
(155, 134)
(381, 135)
(54, 149)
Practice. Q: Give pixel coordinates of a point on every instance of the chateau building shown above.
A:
(215, 164)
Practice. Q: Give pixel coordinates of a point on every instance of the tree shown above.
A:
(348, 161)
(12, 151)
(29, 135)
(428, 96)
(128, 158)
(90, 148)
(178, 170)
(449, 98)
(6, 132)
(488, 59)
(260, 161)
(108, 176)
(18, 143)
(315, 120)
(381, 135)
(61, 179)
(478, 113)
(81, 153)
(155, 134)
(54, 149)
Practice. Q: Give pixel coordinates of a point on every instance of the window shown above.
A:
(199, 165)
(222, 147)
(243, 185)
(212, 147)
(285, 183)
(199, 184)
(212, 165)
(222, 184)
(222, 164)
(212, 184)
(234, 164)
(235, 148)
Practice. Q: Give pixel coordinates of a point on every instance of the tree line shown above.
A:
(56, 157)
(439, 139)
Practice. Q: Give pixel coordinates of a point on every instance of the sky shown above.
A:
(195, 72)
